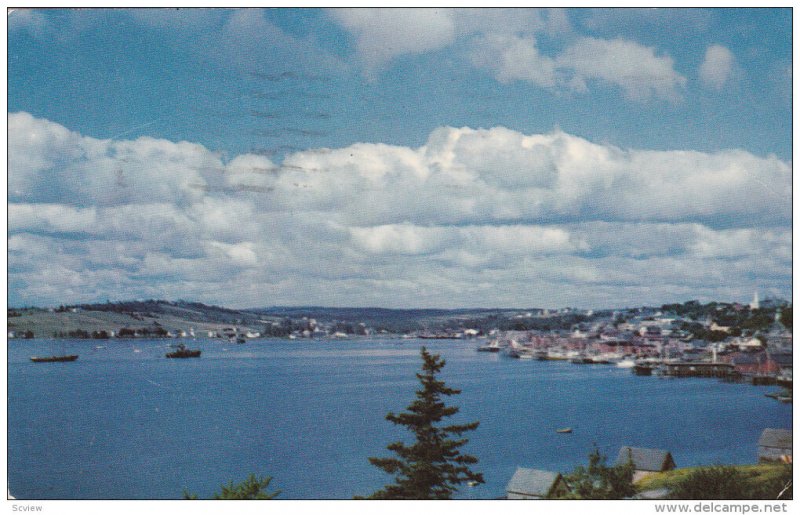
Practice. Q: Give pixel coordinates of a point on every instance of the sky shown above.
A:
(399, 158)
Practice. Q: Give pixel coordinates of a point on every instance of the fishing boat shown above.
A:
(493, 346)
(183, 352)
(564, 430)
(54, 359)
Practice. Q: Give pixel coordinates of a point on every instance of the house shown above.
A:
(775, 445)
(535, 484)
(760, 363)
(645, 461)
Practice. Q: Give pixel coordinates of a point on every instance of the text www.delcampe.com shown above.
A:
(721, 507)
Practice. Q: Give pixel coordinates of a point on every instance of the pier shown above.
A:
(698, 369)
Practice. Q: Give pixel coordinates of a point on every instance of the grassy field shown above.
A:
(45, 324)
(760, 477)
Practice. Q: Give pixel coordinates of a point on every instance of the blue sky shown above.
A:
(427, 158)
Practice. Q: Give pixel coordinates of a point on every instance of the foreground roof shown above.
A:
(645, 459)
(781, 438)
(532, 482)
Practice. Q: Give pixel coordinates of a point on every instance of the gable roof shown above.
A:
(782, 358)
(532, 482)
(780, 438)
(645, 459)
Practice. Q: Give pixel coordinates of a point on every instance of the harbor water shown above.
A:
(124, 422)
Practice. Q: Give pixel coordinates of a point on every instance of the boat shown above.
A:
(564, 430)
(183, 352)
(643, 370)
(626, 363)
(493, 346)
(54, 359)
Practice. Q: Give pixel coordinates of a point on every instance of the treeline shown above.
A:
(82, 334)
(739, 320)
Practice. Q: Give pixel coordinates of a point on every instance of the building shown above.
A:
(535, 484)
(645, 461)
(775, 445)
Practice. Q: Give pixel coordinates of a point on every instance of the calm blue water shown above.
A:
(120, 424)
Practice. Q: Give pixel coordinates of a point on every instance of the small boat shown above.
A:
(493, 346)
(54, 359)
(472, 483)
(626, 363)
(564, 430)
(183, 352)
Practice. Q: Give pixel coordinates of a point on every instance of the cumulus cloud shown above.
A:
(637, 69)
(472, 217)
(716, 67)
(512, 57)
(504, 41)
(383, 34)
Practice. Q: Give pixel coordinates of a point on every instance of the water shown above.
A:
(122, 424)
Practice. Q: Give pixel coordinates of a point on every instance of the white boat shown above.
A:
(626, 363)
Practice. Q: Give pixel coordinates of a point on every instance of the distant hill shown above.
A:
(158, 316)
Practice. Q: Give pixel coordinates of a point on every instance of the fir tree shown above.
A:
(432, 467)
(599, 481)
(252, 488)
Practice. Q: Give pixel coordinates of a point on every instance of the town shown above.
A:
(731, 341)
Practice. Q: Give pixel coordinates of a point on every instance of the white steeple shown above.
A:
(754, 304)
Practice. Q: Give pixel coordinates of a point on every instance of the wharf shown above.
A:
(698, 369)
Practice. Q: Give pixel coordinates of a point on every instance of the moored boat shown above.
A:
(493, 346)
(564, 430)
(183, 352)
(54, 359)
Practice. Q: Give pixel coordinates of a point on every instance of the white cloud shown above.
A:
(716, 67)
(513, 58)
(637, 69)
(504, 41)
(473, 217)
(383, 34)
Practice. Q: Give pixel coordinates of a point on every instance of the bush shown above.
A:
(734, 483)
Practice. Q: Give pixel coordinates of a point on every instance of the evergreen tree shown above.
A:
(252, 488)
(432, 467)
(599, 481)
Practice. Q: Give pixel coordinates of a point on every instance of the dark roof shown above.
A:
(780, 438)
(782, 358)
(532, 482)
(645, 459)
(747, 358)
